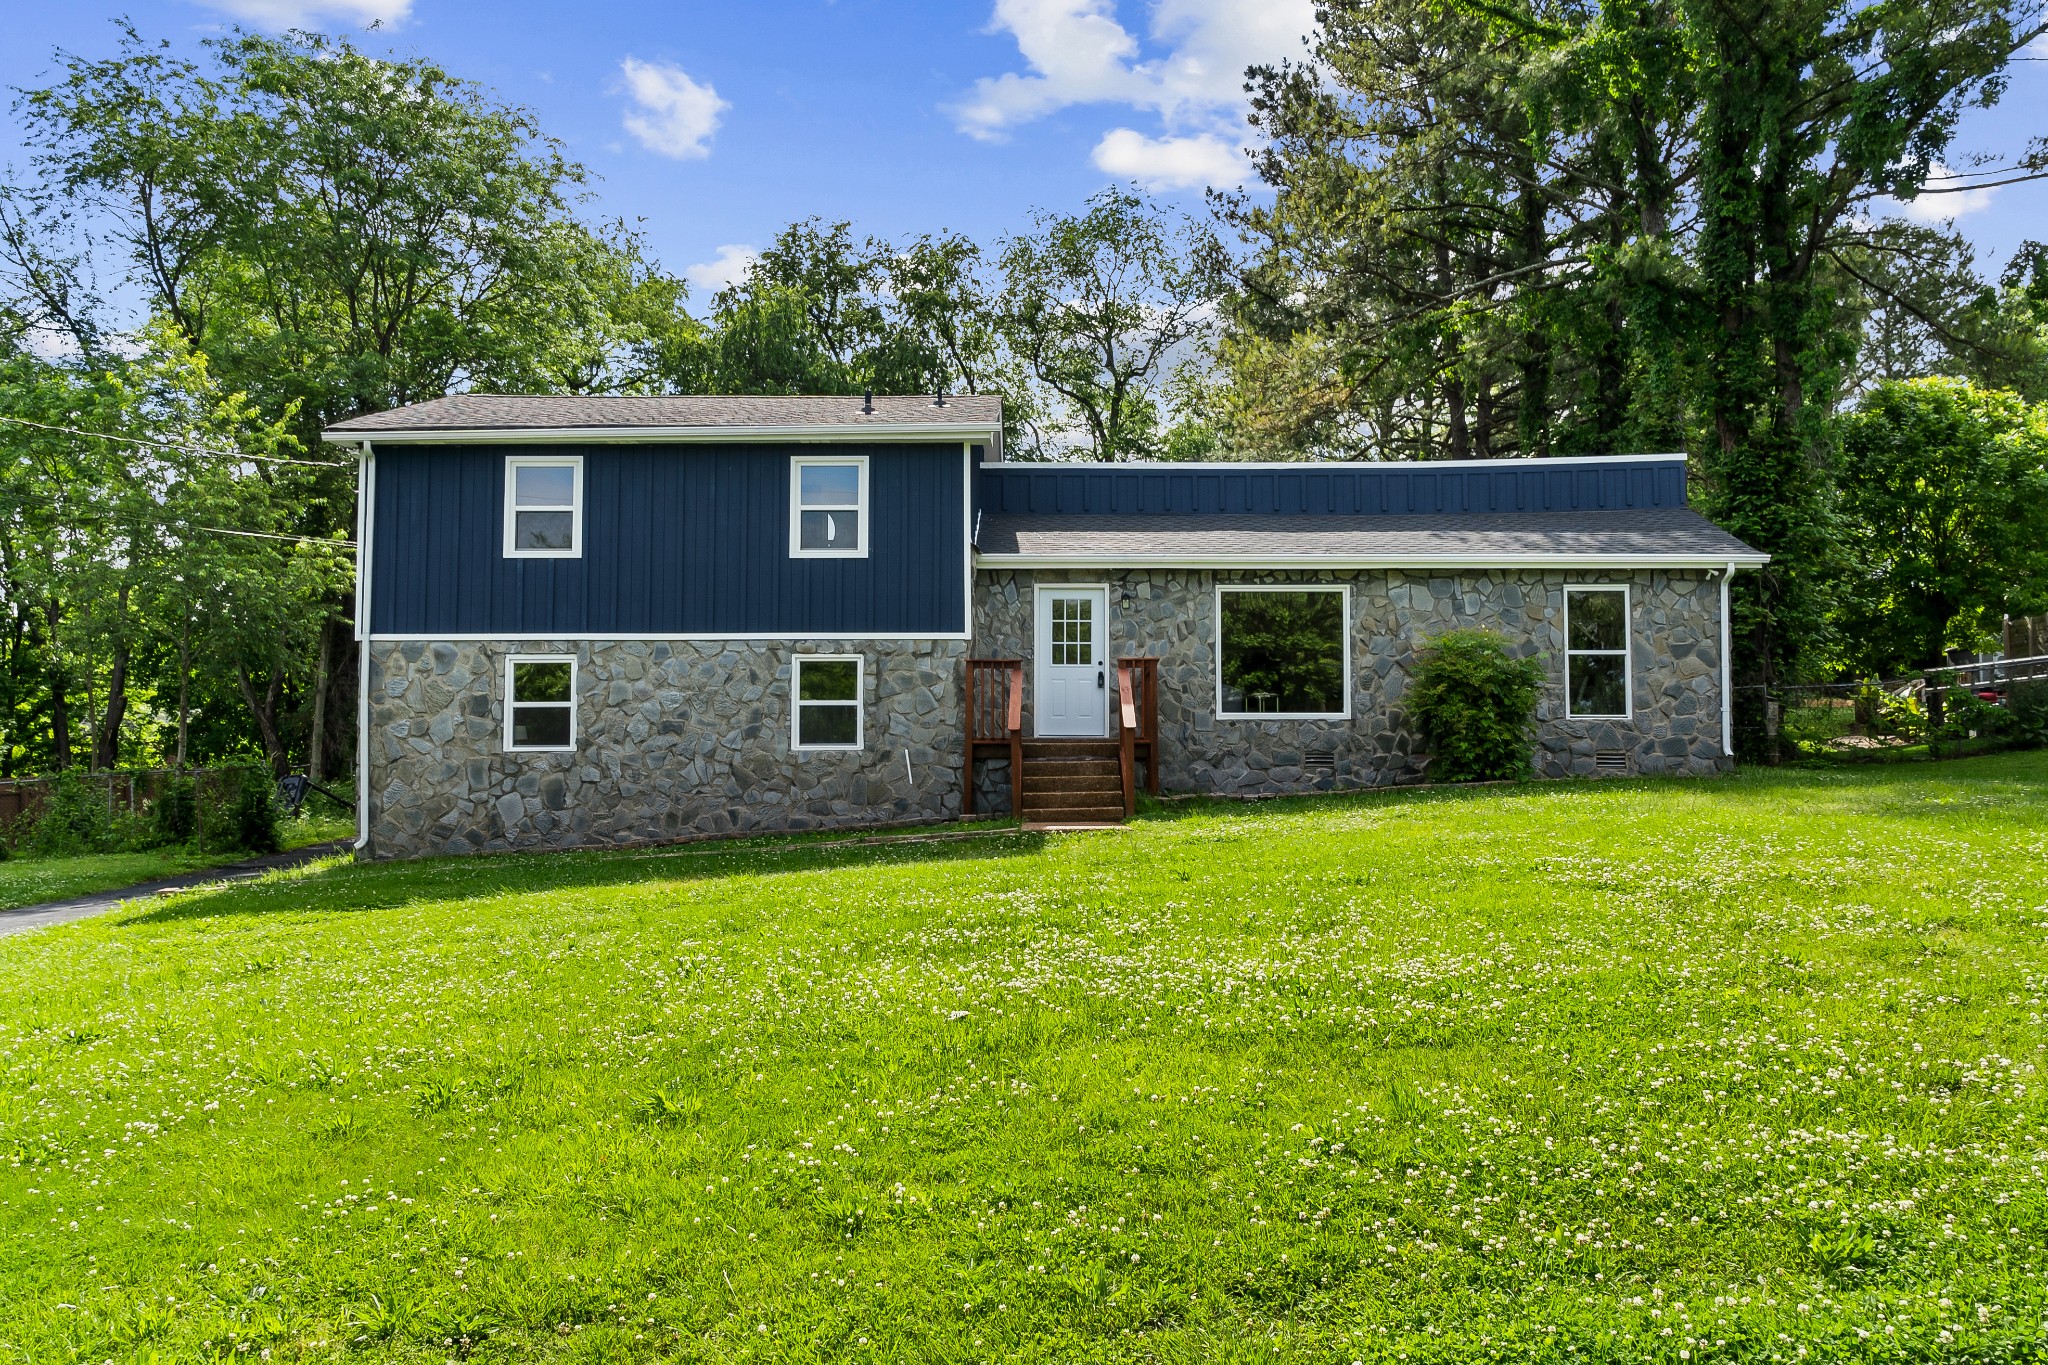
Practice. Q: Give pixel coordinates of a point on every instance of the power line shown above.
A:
(274, 535)
(175, 445)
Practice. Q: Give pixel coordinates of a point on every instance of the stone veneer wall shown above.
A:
(673, 739)
(1170, 613)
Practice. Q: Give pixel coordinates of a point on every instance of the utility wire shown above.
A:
(273, 535)
(174, 445)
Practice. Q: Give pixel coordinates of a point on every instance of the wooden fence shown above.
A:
(130, 792)
(2026, 636)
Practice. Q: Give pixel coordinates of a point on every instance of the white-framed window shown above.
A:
(540, 702)
(1597, 681)
(828, 507)
(543, 506)
(1283, 651)
(825, 701)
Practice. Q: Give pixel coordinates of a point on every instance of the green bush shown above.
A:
(252, 816)
(1475, 705)
(73, 819)
(2027, 704)
(175, 813)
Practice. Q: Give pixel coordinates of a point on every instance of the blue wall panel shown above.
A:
(677, 540)
(1561, 485)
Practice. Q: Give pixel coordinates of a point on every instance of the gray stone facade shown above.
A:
(673, 739)
(1675, 726)
(683, 738)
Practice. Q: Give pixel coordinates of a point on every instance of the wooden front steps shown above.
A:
(1072, 782)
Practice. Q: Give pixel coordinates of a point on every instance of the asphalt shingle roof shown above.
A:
(518, 412)
(1170, 539)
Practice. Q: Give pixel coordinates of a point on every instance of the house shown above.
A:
(596, 621)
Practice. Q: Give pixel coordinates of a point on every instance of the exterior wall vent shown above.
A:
(1319, 760)
(1610, 760)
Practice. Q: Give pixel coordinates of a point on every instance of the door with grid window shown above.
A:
(1072, 692)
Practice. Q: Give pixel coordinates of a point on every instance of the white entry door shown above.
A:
(1073, 681)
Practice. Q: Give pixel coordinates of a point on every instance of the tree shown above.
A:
(1095, 307)
(1944, 509)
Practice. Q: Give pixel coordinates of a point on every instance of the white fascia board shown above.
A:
(1191, 466)
(918, 431)
(616, 638)
(1270, 561)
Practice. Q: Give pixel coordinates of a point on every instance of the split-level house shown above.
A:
(599, 621)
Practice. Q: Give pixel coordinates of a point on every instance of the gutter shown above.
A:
(835, 433)
(1727, 669)
(366, 527)
(1326, 561)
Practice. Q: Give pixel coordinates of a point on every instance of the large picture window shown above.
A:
(828, 701)
(543, 507)
(1283, 652)
(828, 511)
(1596, 653)
(540, 703)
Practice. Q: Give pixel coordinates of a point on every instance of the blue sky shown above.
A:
(715, 122)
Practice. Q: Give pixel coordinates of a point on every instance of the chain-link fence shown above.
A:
(1943, 713)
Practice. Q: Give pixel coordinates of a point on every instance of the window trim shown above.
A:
(1344, 592)
(514, 463)
(1627, 650)
(796, 703)
(512, 662)
(797, 464)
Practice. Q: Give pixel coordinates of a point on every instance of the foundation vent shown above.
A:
(1610, 760)
(1319, 761)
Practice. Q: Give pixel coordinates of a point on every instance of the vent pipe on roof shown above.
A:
(867, 399)
(939, 397)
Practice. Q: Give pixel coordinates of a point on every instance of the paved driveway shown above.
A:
(27, 917)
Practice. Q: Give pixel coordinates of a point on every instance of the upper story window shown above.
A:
(544, 506)
(828, 507)
(1596, 653)
(1283, 652)
(540, 702)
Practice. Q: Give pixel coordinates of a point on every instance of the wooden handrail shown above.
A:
(1127, 734)
(995, 715)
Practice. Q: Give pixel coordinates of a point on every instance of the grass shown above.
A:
(32, 881)
(1708, 1071)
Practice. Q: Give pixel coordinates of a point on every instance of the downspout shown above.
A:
(366, 527)
(1727, 670)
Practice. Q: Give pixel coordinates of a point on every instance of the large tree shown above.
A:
(1944, 510)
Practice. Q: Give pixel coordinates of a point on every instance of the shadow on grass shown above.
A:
(2006, 788)
(347, 887)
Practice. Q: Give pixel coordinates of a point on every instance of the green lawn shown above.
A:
(1706, 1071)
(31, 881)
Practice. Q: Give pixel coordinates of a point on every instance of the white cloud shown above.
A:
(1078, 53)
(730, 266)
(672, 114)
(280, 14)
(1170, 163)
(1940, 208)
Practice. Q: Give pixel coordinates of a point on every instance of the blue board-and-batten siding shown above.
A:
(1561, 485)
(677, 540)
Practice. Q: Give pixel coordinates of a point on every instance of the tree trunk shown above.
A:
(106, 747)
(184, 689)
(264, 711)
(60, 702)
(316, 744)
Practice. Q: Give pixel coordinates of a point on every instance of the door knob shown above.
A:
(1098, 678)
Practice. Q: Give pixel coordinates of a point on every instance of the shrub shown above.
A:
(252, 817)
(175, 813)
(73, 819)
(1475, 705)
(2027, 702)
